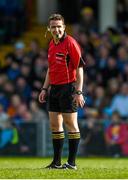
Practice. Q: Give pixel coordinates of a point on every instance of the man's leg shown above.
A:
(56, 123)
(70, 120)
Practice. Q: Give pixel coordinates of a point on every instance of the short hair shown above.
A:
(56, 17)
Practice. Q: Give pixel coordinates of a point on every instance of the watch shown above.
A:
(79, 92)
(45, 89)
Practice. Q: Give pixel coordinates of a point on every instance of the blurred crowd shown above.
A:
(20, 82)
(13, 18)
(103, 120)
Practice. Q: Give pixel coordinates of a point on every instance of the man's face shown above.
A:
(57, 28)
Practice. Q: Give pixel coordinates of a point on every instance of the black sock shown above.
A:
(58, 140)
(74, 138)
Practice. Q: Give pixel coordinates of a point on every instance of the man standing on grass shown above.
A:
(65, 78)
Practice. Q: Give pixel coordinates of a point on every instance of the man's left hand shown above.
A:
(79, 99)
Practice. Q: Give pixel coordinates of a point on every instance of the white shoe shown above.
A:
(68, 166)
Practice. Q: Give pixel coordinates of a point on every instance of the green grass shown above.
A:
(88, 168)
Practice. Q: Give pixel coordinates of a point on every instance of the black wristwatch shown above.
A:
(78, 92)
(45, 89)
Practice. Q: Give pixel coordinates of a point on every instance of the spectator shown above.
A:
(19, 51)
(91, 69)
(25, 72)
(124, 75)
(111, 70)
(9, 89)
(4, 100)
(34, 49)
(15, 102)
(117, 136)
(20, 115)
(119, 102)
(122, 58)
(9, 143)
(112, 88)
(4, 118)
(88, 22)
(23, 89)
(8, 62)
(3, 80)
(85, 43)
(39, 68)
(99, 99)
(14, 71)
(102, 58)
(38, 115)
(93, 142)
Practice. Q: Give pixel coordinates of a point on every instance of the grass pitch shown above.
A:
(88, 168)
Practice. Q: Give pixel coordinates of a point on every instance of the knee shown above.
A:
(56, 128)
(72, 127)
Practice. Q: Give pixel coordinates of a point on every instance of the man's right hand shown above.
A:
(42, 96)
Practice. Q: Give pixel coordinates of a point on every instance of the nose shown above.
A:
(56, 29)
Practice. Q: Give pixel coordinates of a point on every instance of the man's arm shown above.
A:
(79, 81)
(44, 90)
(78, 97)
(46, 82)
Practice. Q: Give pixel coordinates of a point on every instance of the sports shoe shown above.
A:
(53, 166)
(68, 166)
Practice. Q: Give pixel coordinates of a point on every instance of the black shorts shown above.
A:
(61, 98)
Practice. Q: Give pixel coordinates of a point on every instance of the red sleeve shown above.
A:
(74, 52)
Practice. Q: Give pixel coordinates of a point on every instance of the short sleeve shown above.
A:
(82, 62)
(74, 52)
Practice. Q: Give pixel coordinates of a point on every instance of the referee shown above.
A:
(65, 78)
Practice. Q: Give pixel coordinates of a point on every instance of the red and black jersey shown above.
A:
(63, 59)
